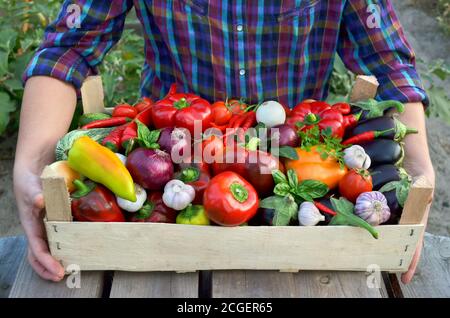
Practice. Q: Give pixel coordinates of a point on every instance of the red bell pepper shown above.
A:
(230, 200)
(322, 114)
(182, 110)
(94, 203)
(154, 211)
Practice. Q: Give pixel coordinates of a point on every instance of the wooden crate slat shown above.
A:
(154, 285)
(432, 277)
(29, 285)
(12, 251)
(365, 87)
(271, 284)
(92, 95)
(105, 246)
(418, 201)
(56, 195)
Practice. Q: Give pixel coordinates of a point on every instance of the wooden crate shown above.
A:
(173, 247)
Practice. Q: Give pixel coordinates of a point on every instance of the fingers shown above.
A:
(408, 276)
(38, 201)
(39, 269)
(41, 260)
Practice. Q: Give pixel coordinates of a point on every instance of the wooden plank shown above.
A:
(365, 87)
(154, 285)
(173, 247)
(271, 284)
(92, 95)
(418, 201)
(12, 251)
(29, 285)
(57, 199)
(432, 278)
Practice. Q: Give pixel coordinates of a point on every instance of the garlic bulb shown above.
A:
(178, 195)
(356, 158)
(309, 215)
(372, 207)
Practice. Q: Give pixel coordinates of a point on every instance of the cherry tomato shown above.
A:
(237, 107)
(354, 183)
(230, 200)
(221, 114)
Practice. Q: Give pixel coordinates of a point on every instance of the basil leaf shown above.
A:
(389, 186)
(147, 138)
(272, 202)
(285, 209)
(282, 189)
(279, 177)
(311, 189)
(292, 178)
(287, 152)
(342, 205)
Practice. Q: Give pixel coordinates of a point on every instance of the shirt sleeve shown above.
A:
(372, 42)
(73, 47)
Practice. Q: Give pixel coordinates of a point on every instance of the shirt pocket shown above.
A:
(291, 12)
(199, 7)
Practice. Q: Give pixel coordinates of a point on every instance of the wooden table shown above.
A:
(17, 280)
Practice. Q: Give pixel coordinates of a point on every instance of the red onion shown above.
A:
(287, 135)
(174, 141)
(150, 168)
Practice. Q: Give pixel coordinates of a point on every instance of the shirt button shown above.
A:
(239, 27)
(242, 72)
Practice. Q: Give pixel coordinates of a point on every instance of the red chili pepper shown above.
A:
(124, 110)
(130, 132)
(112, 141)
(109, 122)
(366, 136)
(352, 120)
(343, 108)
(222, 128)
(143, 104)
(232, 120)
(239, 121)
(250, 120)
(324, 208)
(145, 116)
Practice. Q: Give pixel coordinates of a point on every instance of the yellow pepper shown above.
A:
(101, 165)
(310, 165)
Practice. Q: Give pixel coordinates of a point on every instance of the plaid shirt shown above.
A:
(242, 48)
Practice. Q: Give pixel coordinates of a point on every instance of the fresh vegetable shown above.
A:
(178, 195)
(124, 110)
(384, 174)
(343, 108)
(154, 210)
(401, 187)
(285, 210)
(109, 122)
(325, 208)
(376, 108)
(356, 158)
(253, 165)
(90, 117)
(94, 203)
(309, 214)
(310, 165)
(394, 128)
(263, 217)
(221, 113)
(354, 183)
(249, 121)
(193, 215)
(394, 206)
(212, 149)
(65, 143)
(145, 103)
(182, 110)
(307, 115)
(270, 113)
(62, 169)
(366, 136)
(175, 141)
(141, 197)
(112, 141)
(383, 151)
(151, 168)
(101, 165)
(196, 178)
(344, 216)
(131, 132)
(372, 207)
(286, 135)
(230, 200)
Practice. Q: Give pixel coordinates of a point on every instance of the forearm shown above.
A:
(47, 109)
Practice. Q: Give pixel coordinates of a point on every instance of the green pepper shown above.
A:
(193, 215)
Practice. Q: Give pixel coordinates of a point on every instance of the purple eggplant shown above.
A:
(383, 151)
(383, 174)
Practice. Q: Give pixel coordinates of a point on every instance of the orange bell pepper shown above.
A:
(101, 165)
(310, 166)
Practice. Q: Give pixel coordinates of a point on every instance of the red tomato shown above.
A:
(221, 113)
(230, 200)
(212, 148)
(354, 183)
(237, 107)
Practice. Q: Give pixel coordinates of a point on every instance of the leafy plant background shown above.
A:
(22, 27)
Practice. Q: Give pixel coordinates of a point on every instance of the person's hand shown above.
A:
(30, 202)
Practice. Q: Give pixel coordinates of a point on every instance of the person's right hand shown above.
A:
(30, 202)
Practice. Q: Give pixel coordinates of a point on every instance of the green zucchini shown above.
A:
(65, 143)
(90, 117)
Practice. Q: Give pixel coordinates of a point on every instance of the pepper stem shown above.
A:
(189, 174)
(311, 119)
(181, 103)
(379, 133)
(252, 144)
(239, 192)
(83, 189)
